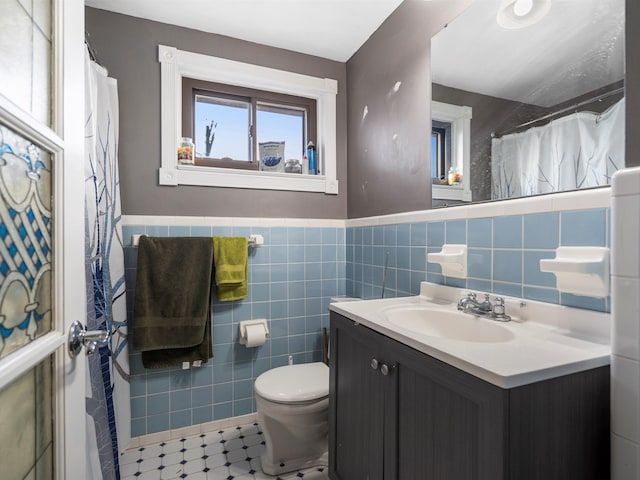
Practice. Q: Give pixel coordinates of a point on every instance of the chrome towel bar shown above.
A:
(254, 240)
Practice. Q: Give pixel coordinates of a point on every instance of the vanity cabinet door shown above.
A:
(427, 420)
(357, 407)
(450, 424)
(560, 428)
(423, 419)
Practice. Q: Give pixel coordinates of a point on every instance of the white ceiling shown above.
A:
(577, 48)
(333, 29)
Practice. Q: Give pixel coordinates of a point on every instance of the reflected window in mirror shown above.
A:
(450, 167)
(231, 125)
(440, 152)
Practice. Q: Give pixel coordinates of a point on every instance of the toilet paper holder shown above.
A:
(242, 326)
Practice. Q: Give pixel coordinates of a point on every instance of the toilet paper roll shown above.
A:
(256, 335)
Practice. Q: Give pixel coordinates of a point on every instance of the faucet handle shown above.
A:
(499, 310)
(498, 306)
(471, 295)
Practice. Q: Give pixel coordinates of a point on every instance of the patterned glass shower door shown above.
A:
(35, 279)
(25, 246)
(25, 303)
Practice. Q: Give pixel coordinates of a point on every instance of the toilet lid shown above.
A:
(294, 383)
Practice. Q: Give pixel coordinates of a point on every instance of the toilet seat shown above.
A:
(294, 383)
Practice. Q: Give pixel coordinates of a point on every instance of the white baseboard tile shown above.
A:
(228, 422)
(133, 443)
(166, 435)
(185, 432)
(150, 439)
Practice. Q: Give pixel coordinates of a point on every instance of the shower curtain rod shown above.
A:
(90, 49)
(602, 96)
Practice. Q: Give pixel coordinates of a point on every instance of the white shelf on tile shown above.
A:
(580, 270)
(453, 260)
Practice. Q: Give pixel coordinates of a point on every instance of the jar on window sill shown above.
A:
(293, 166)
(185, 151)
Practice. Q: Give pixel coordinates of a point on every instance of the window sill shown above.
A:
(451, 192)
(223, 177)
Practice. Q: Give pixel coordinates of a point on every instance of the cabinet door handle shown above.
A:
(374, 363)
(384, 369)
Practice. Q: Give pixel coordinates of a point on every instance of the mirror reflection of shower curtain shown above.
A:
(107, 402)
(581, 150)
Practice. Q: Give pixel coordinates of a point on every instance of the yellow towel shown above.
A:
(230, 259)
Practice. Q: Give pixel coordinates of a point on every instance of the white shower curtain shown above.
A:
(577, 151)
(107, 396)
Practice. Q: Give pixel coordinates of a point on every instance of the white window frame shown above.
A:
(176, 64)
(460, 119)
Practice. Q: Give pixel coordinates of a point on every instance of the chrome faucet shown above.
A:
(494, 311)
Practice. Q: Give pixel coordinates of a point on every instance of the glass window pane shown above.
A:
(222, 128)
(25, 241)
(434, 155)
(278, 124)
(25, 63)
(26, 425)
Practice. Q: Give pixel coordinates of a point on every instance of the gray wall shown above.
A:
(387, 176)
(388, 149)
(633, 82)
(128, 47)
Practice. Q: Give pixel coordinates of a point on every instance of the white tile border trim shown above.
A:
(186, 221)
(166, 435)
(576, 200)
(626, 182)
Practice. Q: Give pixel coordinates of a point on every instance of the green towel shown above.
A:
(172, 315)
(231, 262)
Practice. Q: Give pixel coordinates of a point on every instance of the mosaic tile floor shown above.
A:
(230, 454)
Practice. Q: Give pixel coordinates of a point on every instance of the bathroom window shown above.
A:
(228, 123)
(267, 104)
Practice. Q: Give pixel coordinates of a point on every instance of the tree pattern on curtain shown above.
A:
(581, 150)
(107, 400)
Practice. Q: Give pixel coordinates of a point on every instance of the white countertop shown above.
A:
(548, 340)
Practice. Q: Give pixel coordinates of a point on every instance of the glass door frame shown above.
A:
(66, 142)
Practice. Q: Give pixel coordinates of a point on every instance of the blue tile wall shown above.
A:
(291, 280)
(294, 275)
(503, 256)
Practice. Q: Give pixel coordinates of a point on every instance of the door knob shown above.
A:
(92, 340)
(374, 363)
(384, 369)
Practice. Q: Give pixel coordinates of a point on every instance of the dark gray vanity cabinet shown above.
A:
(398, 414)
(363, 404)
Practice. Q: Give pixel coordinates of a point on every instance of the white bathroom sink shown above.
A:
(542, 340)
(452, 325)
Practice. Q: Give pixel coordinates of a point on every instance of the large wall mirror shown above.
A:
(528, 98)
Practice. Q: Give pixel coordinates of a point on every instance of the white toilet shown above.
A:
(293, 407)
